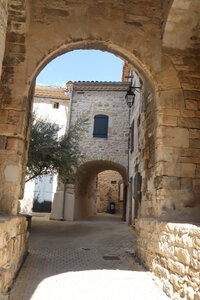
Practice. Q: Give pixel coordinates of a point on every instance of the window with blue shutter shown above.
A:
(100, 126)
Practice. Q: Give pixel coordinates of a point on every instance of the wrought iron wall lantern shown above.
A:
(130, 95)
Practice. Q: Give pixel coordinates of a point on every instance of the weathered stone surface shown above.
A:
(167, 120)
(173, 137)
(90, 104)
(12, 173)
(3, 26)
(108, 190)
(182, 255)
(13, 248)
(189, 122)
(160, 41)
(172, 99)
(191, 104)
(178, 169)
(173, 258)
(99, 154)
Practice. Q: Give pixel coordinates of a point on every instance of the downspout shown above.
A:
(128, 194)
(70, 105)
(129, 131)
(63, 208)
(67, 128)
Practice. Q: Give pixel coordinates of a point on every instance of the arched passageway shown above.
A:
(86, 187)
(110, 193)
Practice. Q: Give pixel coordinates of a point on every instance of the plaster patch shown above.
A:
(12, 173)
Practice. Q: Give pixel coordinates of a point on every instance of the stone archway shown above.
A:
(85, 188)
(39, 31)
(26, 55)
(162, 90)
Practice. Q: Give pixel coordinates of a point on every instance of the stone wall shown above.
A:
(14, 114)
(99, 154)
(91, 99)
(85, 198)
(13, 248)
(29, 47)
(3, 26)
(109, 191)
(177, 154)
(172, 252)
(138, 161)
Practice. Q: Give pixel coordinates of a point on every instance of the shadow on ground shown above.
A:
(91, 259)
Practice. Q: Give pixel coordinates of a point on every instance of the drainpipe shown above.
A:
(129, 188)
(67, 128)
(63, 208)
(70, 105)
(129, 130)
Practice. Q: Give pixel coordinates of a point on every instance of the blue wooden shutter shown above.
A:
(100, 126)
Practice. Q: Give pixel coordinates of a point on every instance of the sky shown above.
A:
(81, 65)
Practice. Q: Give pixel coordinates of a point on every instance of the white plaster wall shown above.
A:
(45, 187)
(44, 108)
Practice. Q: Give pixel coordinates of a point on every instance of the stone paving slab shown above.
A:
(67, 261)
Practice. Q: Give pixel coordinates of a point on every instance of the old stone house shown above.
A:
(103, 144)
(160, 41)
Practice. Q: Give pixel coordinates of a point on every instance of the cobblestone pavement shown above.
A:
(90, 260)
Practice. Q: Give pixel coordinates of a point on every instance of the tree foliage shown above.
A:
(48, 154)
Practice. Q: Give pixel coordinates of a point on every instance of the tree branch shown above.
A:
(32, 177)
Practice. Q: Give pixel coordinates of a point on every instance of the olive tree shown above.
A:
(50, 154)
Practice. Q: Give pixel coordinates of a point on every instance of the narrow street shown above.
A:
(92, 259)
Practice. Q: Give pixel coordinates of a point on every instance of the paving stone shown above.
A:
(66, 261)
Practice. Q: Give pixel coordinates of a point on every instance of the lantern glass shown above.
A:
(130, 97)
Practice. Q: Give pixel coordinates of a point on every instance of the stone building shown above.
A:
(160, 41)
(103, 144)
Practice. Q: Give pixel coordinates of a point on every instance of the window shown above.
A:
(121, 192)
(56, 105)
(132, 137)
(100, 126)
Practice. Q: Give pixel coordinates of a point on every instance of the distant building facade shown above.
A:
(52, 103)
(110, 168)
(104, 145)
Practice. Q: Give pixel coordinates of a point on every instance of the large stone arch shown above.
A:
(38, 30)
(48, 37)
(157, 90)
(86, 175)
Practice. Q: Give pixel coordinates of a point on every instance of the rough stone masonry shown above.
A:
(161, 41)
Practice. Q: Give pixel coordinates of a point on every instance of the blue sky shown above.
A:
(81, 65)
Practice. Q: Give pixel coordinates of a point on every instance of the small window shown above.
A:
(121, 192)
(56, 105)
(100, 126)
